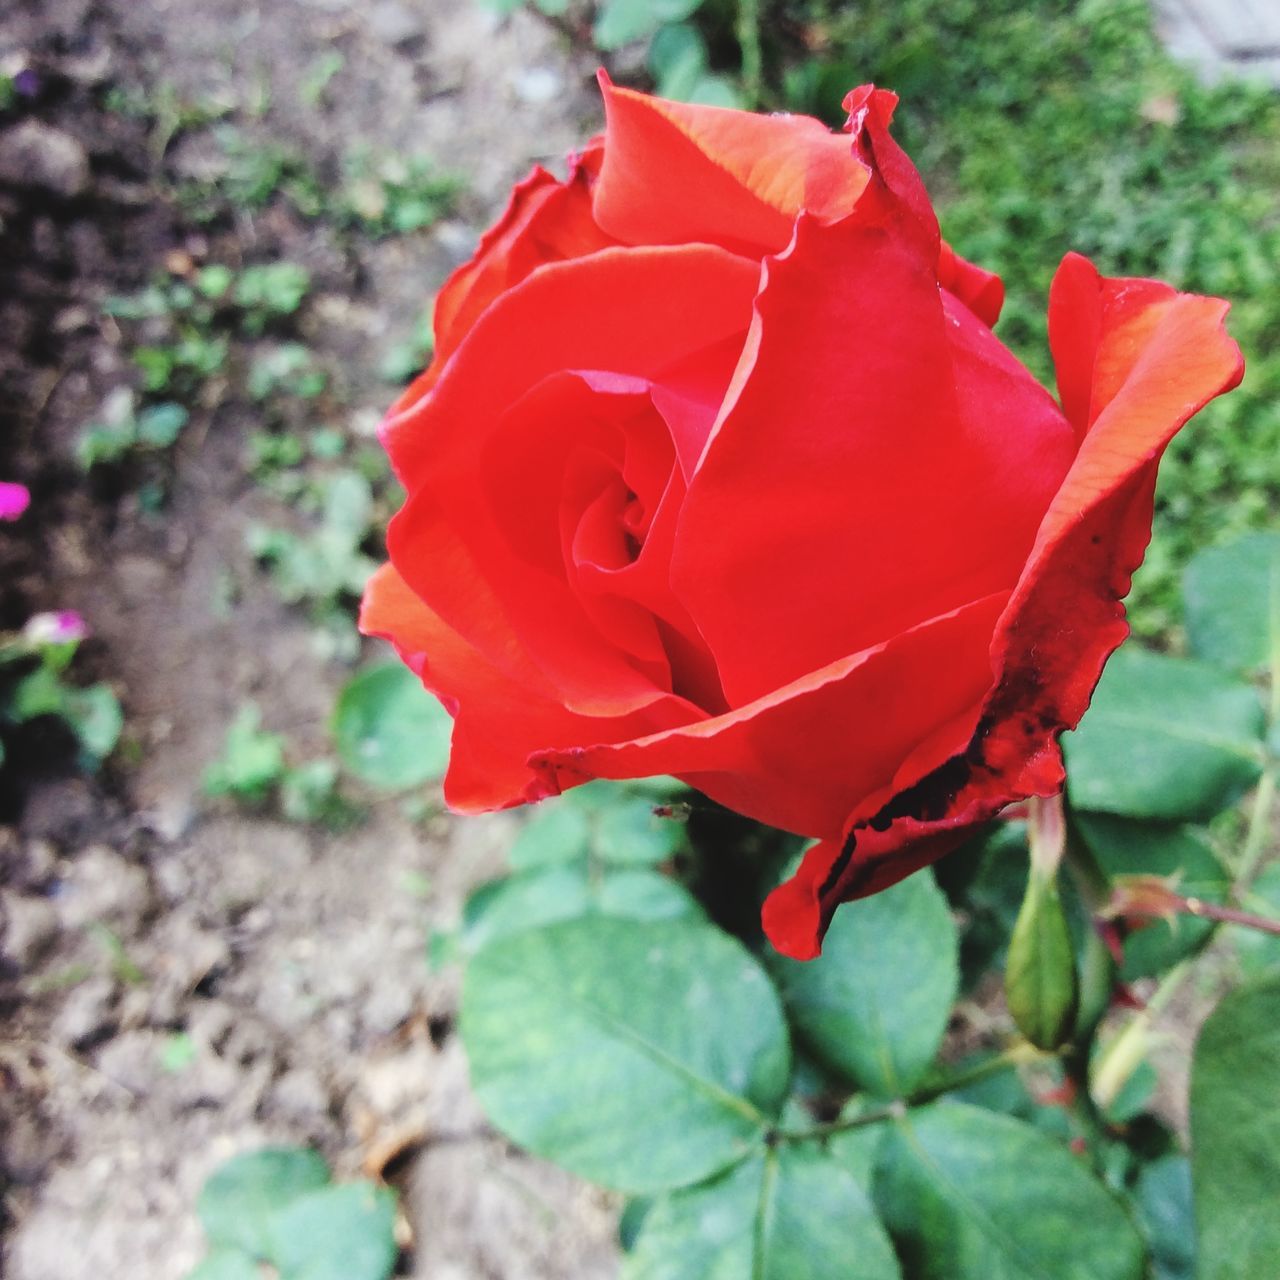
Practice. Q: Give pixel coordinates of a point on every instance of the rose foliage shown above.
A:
(720, 472)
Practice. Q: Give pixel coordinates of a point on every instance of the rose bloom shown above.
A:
(719, 471)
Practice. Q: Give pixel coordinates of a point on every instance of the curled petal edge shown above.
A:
(545, 220)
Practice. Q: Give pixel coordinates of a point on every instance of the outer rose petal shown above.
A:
(1136, 360)
(748, 759)
(677, 174)
(498, 722)
(980, 290)
(544, 221)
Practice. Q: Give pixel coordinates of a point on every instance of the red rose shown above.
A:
(720, 472)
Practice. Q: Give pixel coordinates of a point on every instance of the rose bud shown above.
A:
(719, 471)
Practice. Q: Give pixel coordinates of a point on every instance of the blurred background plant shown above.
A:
(35, 681)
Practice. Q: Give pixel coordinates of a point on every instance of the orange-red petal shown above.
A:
(498, 721)
(627, 312)
(545, 221)
(799, 757)
(676, 173)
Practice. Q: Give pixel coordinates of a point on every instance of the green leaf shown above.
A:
(273, 287)
(637, 893)
(621, 830)
(288, 368)
(634, 1212)
(715, 91)
(677, 60)
(985, 879)
(788, 1214)
(873, 1007)
(177, 1052)
(241, 1195)
(39, 693)
(628, 831)
(227, 1264)
(308, 793)
(1123, 847)
(1232, 596)
(858, 1150)
(338, 1233)
(548, 895)
(971, 1195)
(156, 365)
(252, 761)
(159, 425)
(94, 713)
(1235, 1135)
(1002, 1091)
(348, 505)
(622, 21)
(644, 1056)
(1164, 738)
(214, 280)
(96, 716)
(1040, 974)
(1134, 1095)
(660, 789)
(389, 730)
(1166, 1215)
(105, 442)
(524, 901)
(555, 832)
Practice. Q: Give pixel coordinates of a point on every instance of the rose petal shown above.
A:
(544, 221)
(980, 290)
(630, 311)
(1156, 358)
(499, 722)
(676, 173)
(946, 451)
(747, 758)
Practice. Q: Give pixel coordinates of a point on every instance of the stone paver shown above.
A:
(1221, 38)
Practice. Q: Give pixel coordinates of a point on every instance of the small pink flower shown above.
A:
(55, 628)
(14, 500)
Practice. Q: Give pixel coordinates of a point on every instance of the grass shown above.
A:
(1043, 126)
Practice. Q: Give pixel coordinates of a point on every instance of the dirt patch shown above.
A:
(182, 981)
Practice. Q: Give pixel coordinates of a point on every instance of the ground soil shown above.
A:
(134, 909)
